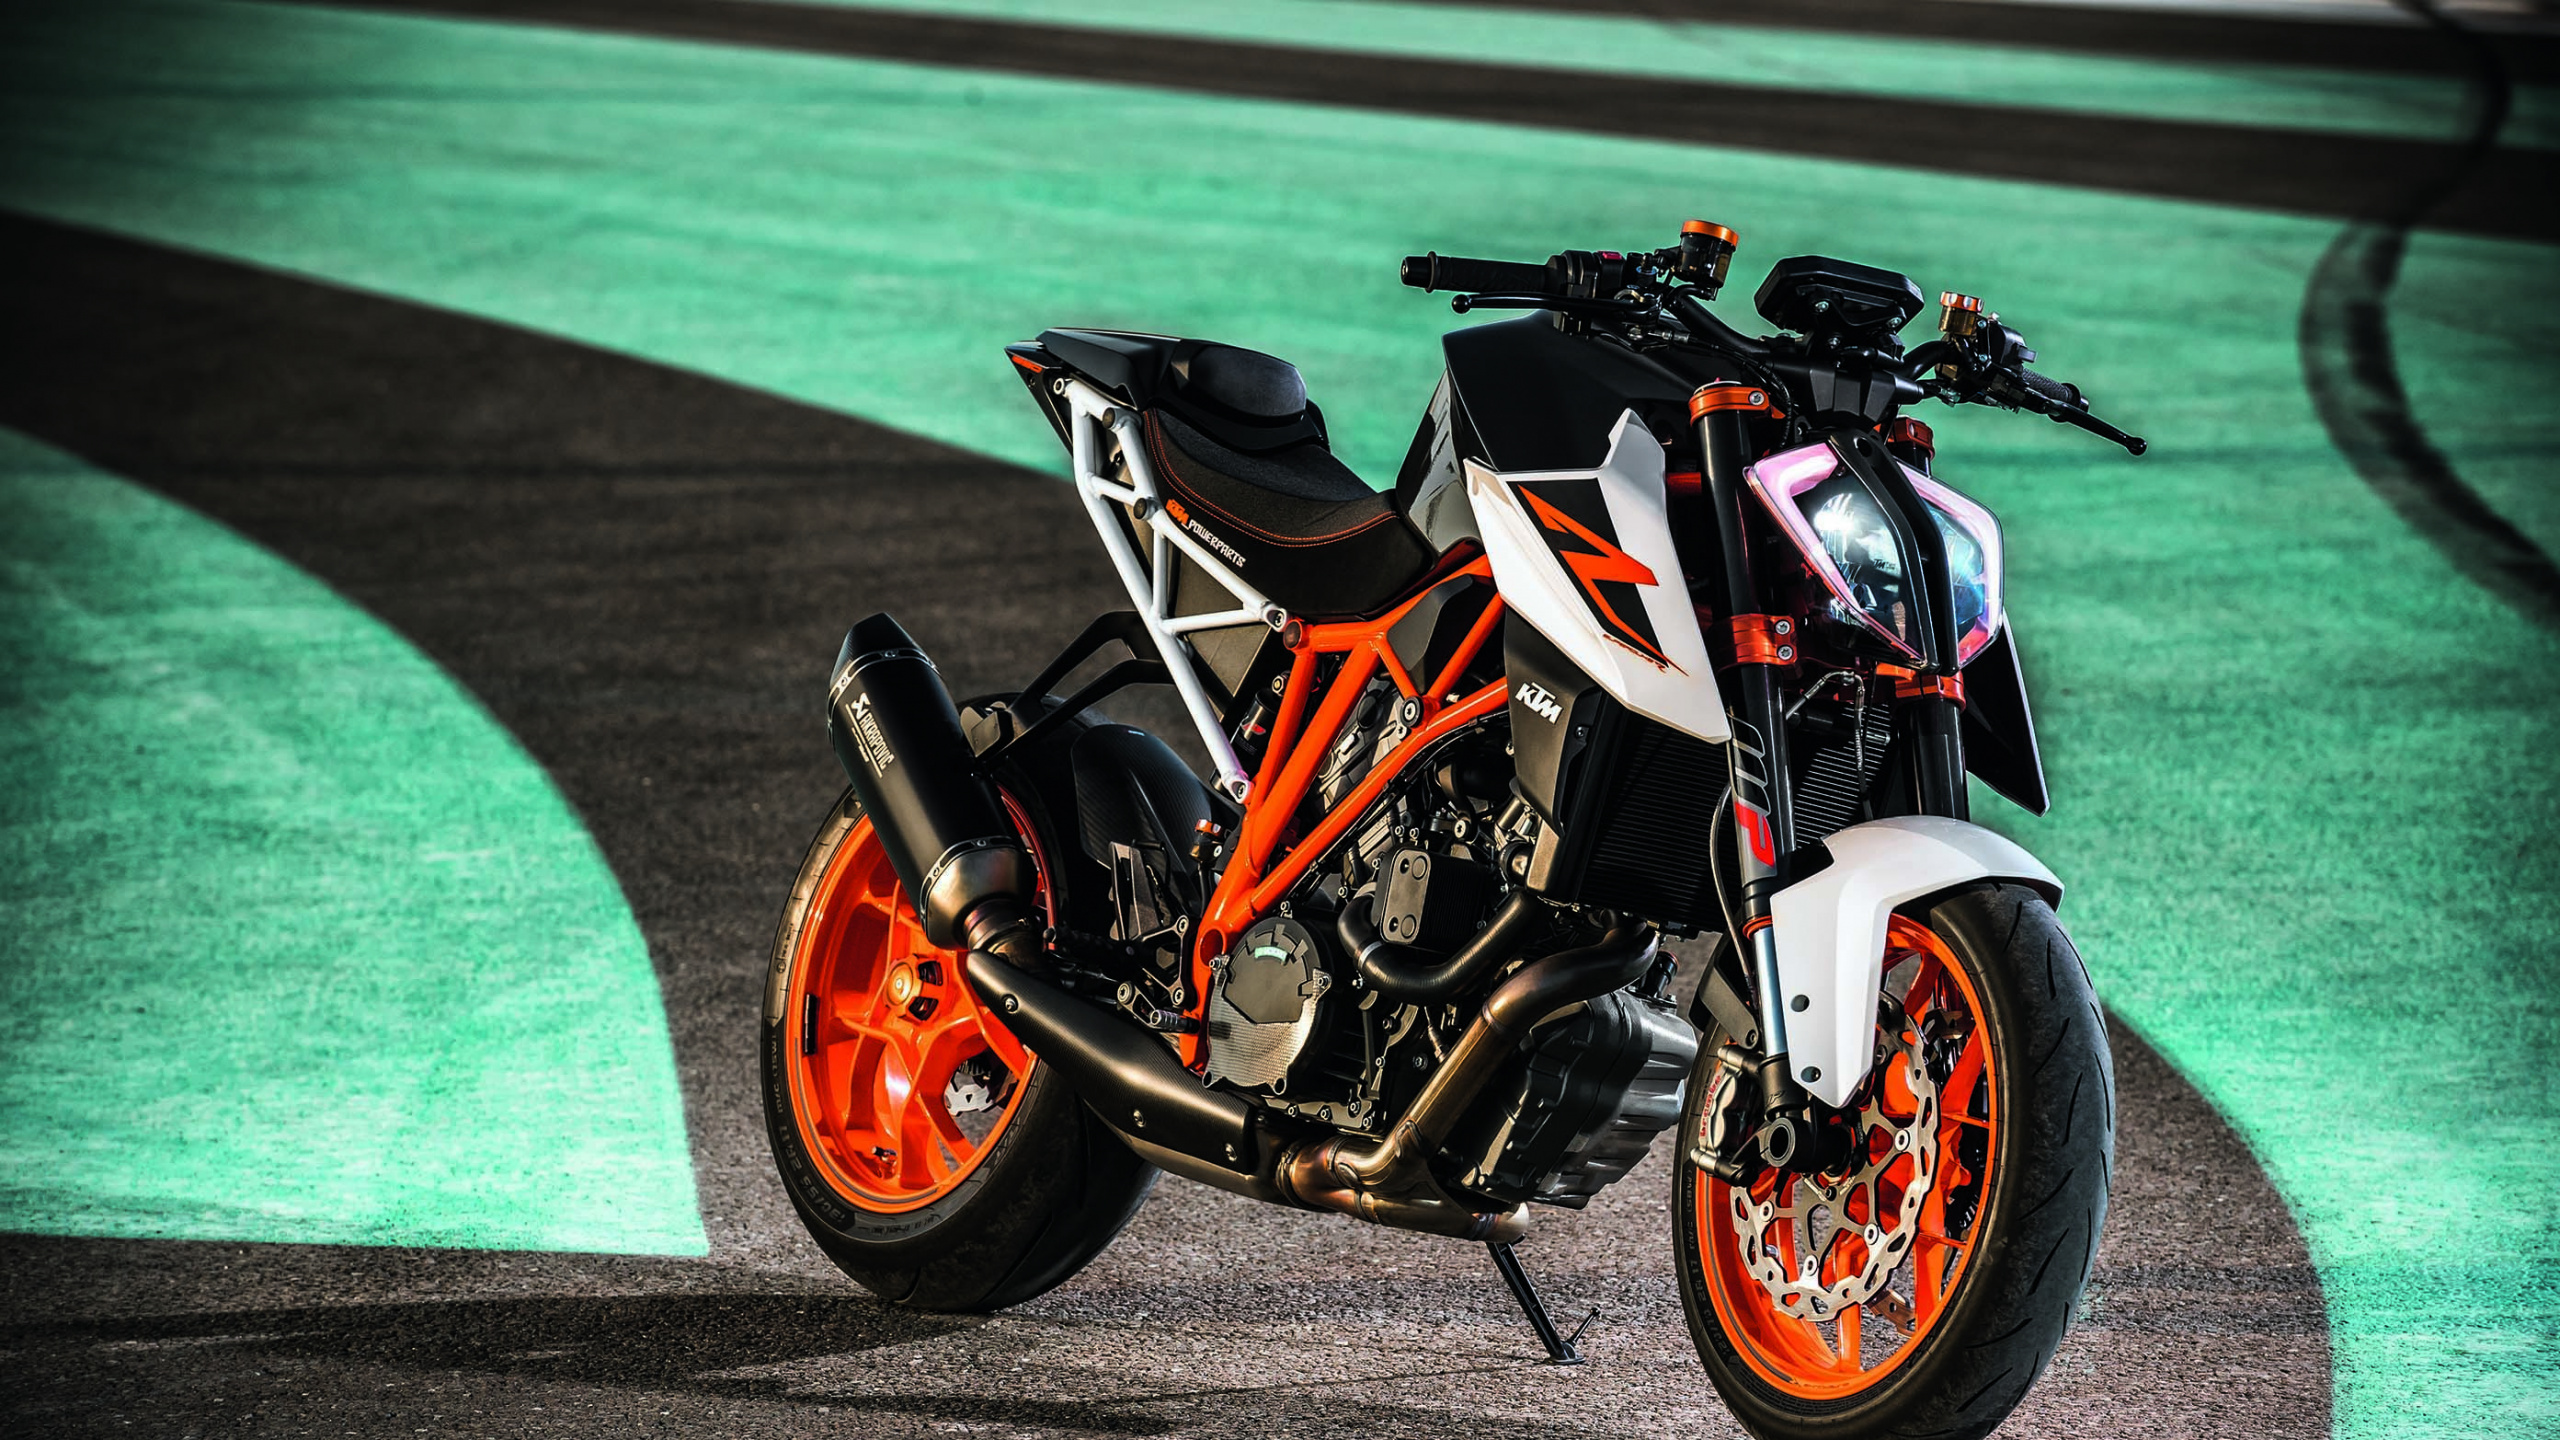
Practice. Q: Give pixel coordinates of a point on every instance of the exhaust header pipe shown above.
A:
(898, 736)
(1389, 1181)
(1124, 1074)
(1130, 1080)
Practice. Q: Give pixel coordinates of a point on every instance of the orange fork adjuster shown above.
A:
(1708, 399)
(1911, 684)
(1763, 640)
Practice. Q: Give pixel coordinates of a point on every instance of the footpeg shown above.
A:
(1147, 1013)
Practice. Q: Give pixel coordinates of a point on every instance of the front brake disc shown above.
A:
(1810, 1215)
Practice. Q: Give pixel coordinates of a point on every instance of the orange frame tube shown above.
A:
(1265, 865)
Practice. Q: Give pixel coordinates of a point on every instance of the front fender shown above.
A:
(1830, 930)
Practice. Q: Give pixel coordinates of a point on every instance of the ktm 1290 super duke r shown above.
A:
(1664, 631)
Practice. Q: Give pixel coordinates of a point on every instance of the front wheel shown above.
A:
(1922, 1288)
(932, 1157)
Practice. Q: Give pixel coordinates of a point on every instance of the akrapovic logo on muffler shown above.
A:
(865, 729)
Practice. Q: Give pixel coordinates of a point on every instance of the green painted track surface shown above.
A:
(2292, 97)
(2302, 767)
(301, 947)
(2472, 324)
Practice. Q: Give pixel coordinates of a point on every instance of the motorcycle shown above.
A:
(1664, 631)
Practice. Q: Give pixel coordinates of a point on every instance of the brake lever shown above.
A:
(2133, 444)
(2022, 389)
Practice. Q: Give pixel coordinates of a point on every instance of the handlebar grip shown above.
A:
(2064, 403)
(1453, 272)
(2053, 392)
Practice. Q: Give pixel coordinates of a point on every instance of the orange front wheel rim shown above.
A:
(1825, 1232)
(901, 1082)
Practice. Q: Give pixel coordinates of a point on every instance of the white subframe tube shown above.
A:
(1152, 593)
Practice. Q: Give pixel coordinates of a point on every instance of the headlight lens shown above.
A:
(1848, 539)
(1974, 560)
(1862, 546)
(1854, 548)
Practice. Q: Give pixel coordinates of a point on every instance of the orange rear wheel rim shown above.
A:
(1856, 1351)
(884, 1031)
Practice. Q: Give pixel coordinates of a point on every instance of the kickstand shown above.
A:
(1560, 1349)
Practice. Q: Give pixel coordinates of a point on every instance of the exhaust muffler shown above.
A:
(898, 736)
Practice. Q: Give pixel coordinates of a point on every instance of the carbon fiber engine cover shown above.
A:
(1266, 998)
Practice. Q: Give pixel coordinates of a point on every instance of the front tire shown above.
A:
(1816, 1315)
(933, 1158)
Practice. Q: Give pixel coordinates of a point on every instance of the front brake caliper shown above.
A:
(1729, 1119)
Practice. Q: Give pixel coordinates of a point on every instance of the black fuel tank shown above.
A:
(1531, 397)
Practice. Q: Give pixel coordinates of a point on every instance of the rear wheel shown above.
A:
(1920, 1289)
(932, 1157)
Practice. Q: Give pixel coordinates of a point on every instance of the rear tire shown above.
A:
(1027, 1208)
(1952, 1367)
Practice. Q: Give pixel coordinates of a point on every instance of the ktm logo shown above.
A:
(1540, 701)
(1600, 566)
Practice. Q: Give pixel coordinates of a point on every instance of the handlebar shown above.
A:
(1987, 368)
(2053, 392)
(2063, 402)
(1707, 326)
(1456, 272)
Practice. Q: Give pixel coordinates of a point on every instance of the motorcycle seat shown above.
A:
(1241, 454)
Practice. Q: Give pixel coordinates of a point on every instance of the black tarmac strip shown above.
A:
(2514, 193)
(644, 573)
(2388, 42)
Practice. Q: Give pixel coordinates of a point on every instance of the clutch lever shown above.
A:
(1494, 300)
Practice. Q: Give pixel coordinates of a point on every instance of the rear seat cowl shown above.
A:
(1247, 384)
(1244, 399)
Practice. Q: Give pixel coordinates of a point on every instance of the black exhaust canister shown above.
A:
(899, 738)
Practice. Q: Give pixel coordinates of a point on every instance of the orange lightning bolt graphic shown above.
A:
(1603, 562)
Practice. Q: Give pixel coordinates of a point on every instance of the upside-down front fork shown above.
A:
(1792, 1131)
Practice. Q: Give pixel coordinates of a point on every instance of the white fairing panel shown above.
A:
(1830, 929)
(1587, 558)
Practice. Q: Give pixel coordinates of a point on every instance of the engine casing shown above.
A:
(1579, 1107)
(1267, 1001)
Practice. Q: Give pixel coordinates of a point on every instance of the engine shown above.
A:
(1292, 1024)
(1576, 1111)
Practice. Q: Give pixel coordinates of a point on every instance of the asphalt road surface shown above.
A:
(643, 573)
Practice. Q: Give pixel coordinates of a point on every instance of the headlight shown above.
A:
(1973, 563)
(1851, 539)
